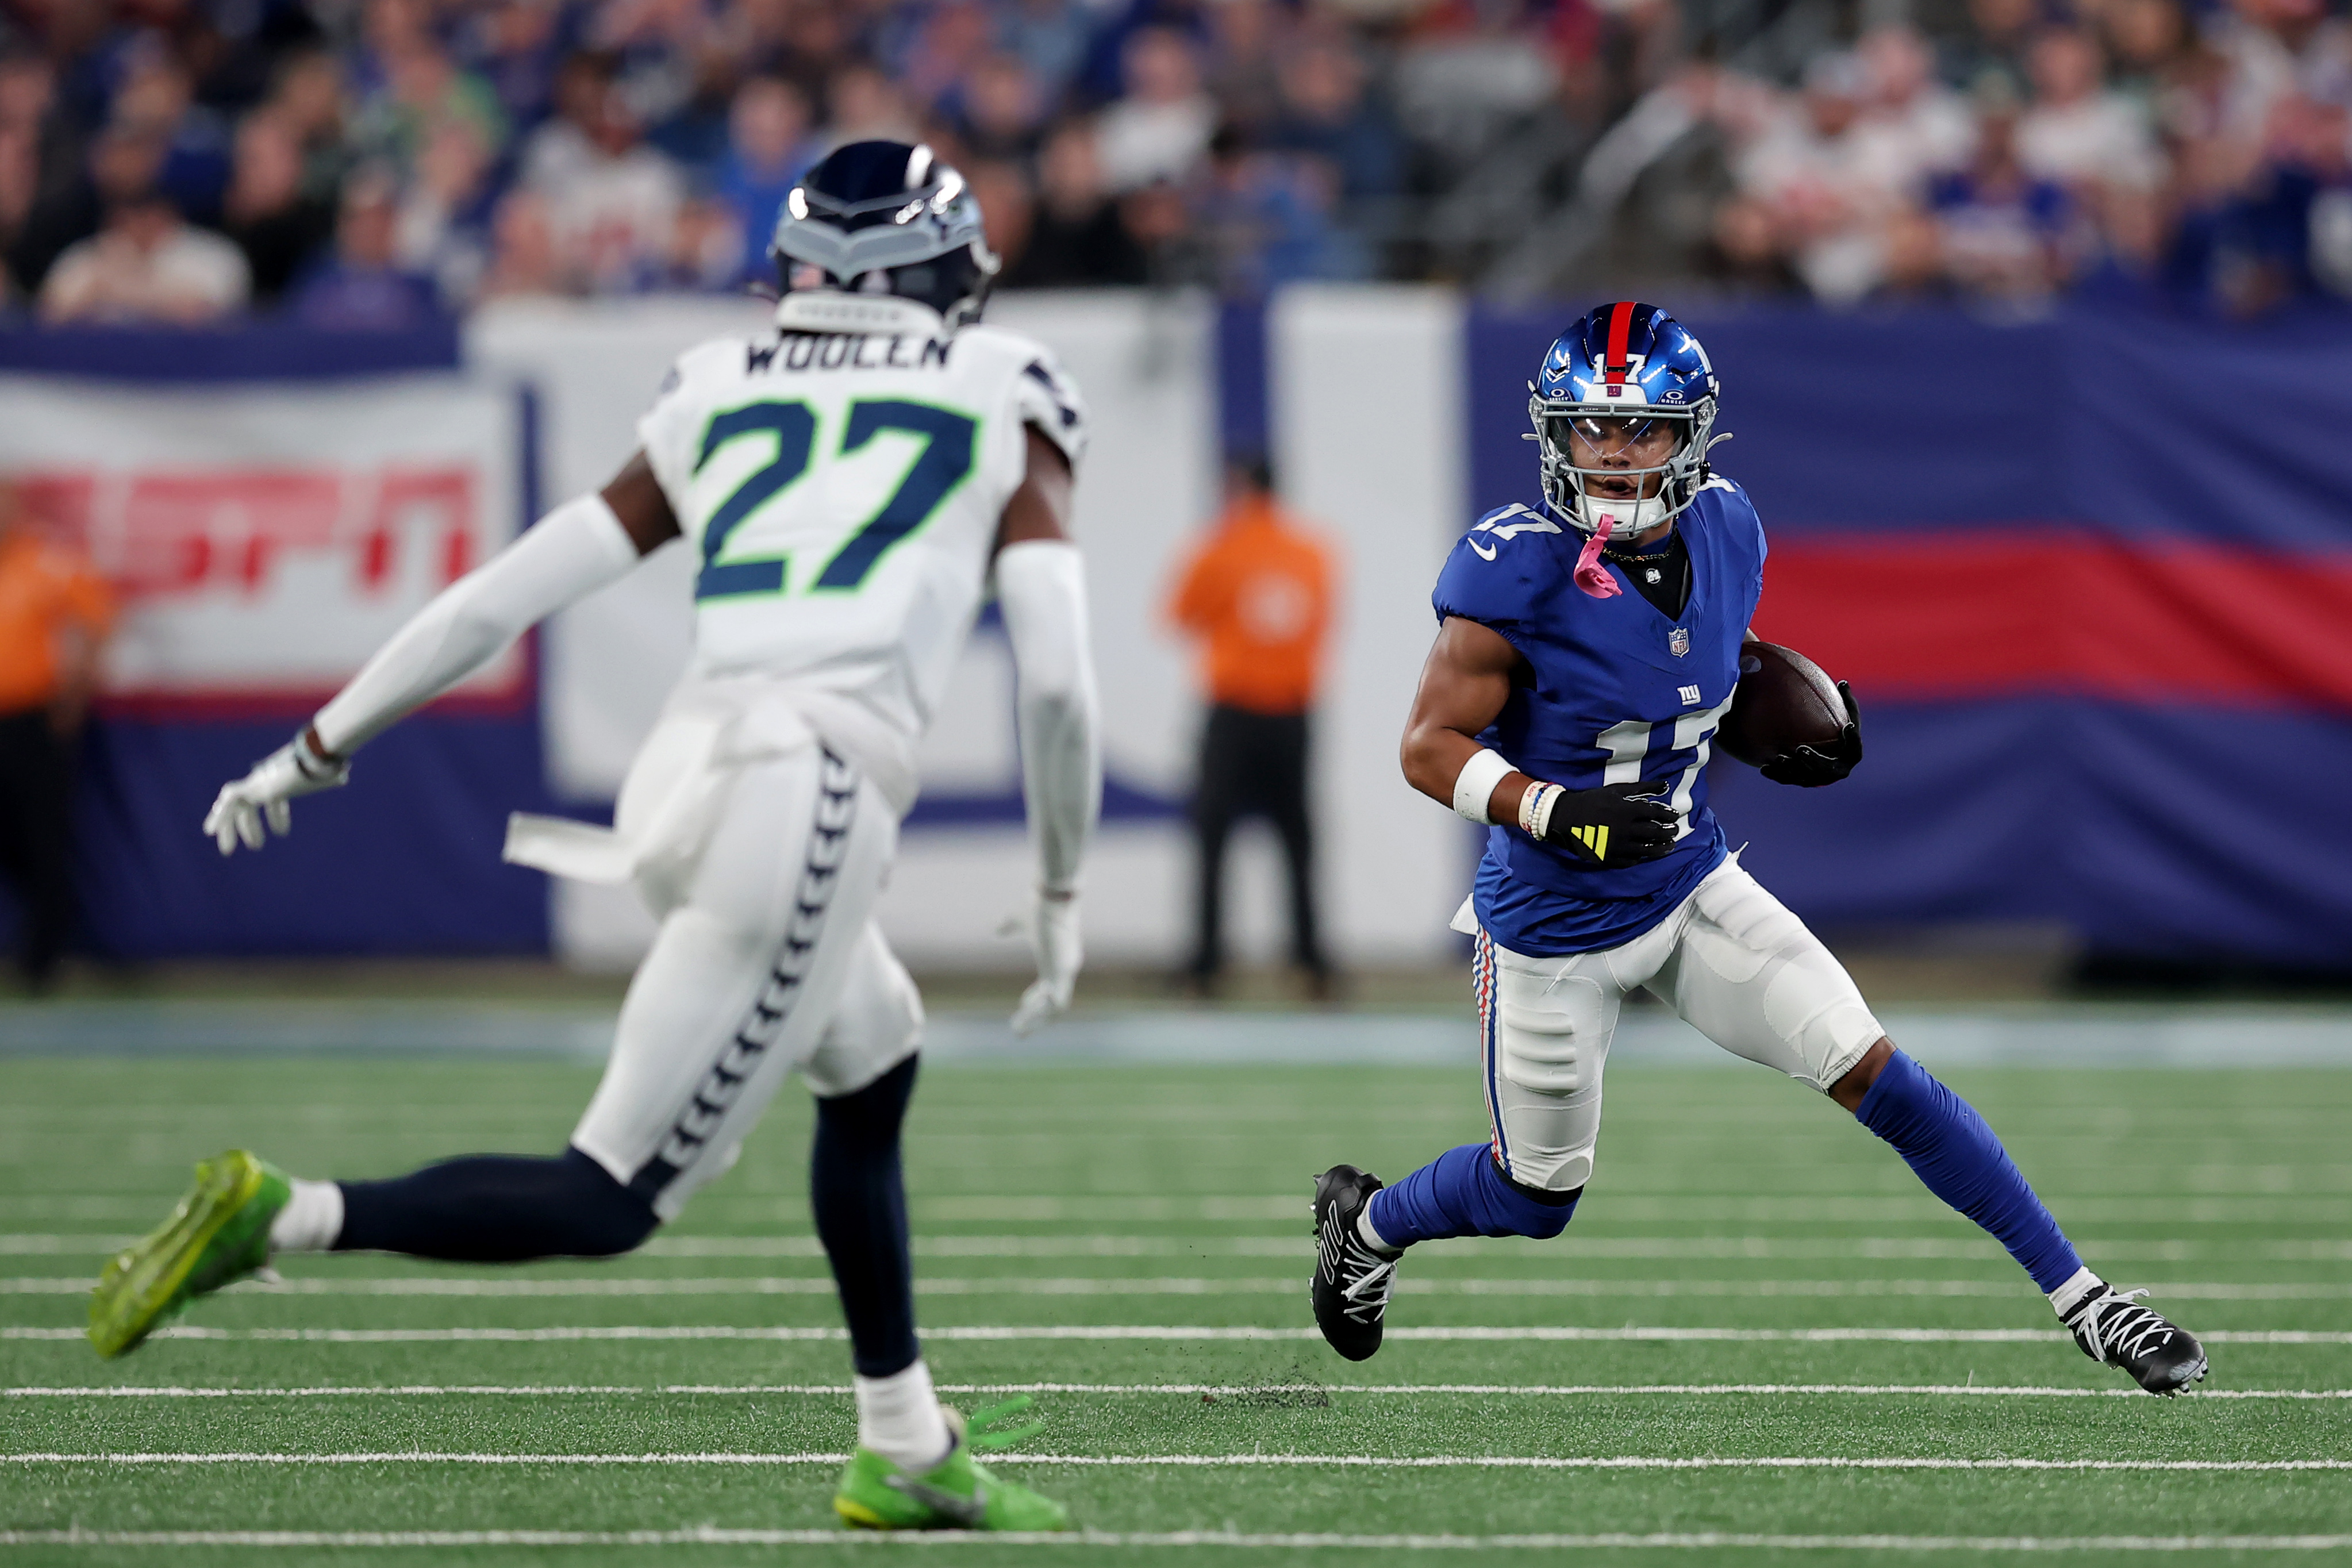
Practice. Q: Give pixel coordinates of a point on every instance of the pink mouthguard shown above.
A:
(1590, 575)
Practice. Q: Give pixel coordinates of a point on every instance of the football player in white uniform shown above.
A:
(854, 483)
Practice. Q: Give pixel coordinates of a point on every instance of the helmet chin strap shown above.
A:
(1634, 518)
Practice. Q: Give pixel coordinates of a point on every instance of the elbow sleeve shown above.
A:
(1042, 590)
(572, 551)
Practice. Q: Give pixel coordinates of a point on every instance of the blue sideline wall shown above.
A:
(409, 866)
(2160, 578)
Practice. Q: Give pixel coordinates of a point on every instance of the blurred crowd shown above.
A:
(360, 163)
(374, 162)
(2141, 148)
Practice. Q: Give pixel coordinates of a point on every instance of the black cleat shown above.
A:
(1351, 1280)
(2113, 1328)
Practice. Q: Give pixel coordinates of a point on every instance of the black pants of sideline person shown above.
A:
(1254, 764)
(36, 837)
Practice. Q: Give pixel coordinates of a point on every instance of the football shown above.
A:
(1784, 701)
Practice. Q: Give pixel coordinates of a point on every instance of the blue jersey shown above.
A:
(1611, 691)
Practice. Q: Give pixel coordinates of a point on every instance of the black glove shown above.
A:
(1809, 767)
(1616, 825)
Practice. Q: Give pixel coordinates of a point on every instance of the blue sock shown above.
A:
(1461, 1192)
(1948, 1144)
(859, 1197)
(497, 1208)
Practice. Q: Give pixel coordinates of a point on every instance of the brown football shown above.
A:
(1783, 701)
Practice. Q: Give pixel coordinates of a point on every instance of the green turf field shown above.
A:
(1138, 1234)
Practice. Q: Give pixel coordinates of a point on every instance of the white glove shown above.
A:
(296, 768)
(1054, 938)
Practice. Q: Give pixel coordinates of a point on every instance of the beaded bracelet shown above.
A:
(1535, 806)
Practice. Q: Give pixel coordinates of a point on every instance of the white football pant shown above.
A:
(767, 962)
(1731, 961)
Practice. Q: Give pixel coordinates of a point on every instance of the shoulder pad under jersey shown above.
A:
(1046, 395)
(1495, 573)
(1489, 533)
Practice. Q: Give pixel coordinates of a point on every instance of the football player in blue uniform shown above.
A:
(1586, 653)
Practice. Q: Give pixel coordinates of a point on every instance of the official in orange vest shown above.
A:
(55, 612)
(1258, 595)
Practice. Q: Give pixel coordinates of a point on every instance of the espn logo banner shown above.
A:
(266, 539)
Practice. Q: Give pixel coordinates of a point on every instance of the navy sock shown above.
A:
(1942, 1137)
(497, 1208)
(859, 1194)
(1461, 1192)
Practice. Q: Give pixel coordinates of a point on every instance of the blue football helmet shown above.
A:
(881, 238)
(1612, 378)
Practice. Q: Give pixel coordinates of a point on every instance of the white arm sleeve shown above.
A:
(1041, 586)
(573, 551)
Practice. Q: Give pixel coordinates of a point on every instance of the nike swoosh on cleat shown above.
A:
(969, 1512)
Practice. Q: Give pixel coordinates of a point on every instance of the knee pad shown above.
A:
(1814, 1005)
(1816, 1024)
(878, 1025)
(602, 1218)
(1547, 1175)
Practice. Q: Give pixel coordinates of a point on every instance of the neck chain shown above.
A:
(1650, 558)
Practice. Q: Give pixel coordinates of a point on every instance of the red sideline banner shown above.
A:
(266, 539)
(2013, 610)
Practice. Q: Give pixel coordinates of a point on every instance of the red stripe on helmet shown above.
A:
(1620, 330)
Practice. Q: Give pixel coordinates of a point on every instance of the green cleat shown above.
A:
(958, 1493)
(218, 1234)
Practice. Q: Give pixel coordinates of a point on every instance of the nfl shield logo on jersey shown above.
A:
(1678, 641)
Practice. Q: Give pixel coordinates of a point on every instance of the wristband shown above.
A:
(311, 758)
(1473, 786)
(1535, 806)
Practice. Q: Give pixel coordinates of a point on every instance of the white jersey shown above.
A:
(843, 492)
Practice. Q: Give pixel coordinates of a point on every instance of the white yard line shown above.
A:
(1811, 1209)
(43, 1244)
(1213, 1390)
(1200, 1285)
(1178, 1333)
(1567, 1250)
(1227, 1461)
(723, 1206)
(709, 1535)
